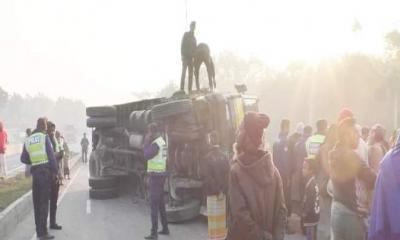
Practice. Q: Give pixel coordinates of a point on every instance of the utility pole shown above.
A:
(186, 12)
(396, 110)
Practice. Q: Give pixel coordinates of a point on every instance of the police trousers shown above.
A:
(157, 203)
(41, 194)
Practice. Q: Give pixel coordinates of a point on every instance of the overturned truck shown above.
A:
(186, 120)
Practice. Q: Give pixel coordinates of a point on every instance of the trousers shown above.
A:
(346, 224)
(41, 194)
(3, 167)
(84, 155)
(157, 203)
(187, 64)
(54, 189)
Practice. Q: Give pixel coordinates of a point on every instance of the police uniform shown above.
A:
(156, 168)
(38, 153)
(313, 143)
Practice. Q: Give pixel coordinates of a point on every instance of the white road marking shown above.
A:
(64, 192)
(88, 206)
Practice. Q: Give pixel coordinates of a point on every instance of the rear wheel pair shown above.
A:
(103, 188)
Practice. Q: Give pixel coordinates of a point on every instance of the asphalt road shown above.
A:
(14, 165)
(120, 218)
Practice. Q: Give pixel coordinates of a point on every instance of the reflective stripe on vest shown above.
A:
(159, 162)
(59, 145)
(36, 147)
(313, 143)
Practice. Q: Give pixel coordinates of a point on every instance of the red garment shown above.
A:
(3, 141)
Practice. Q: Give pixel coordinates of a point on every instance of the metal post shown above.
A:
(186, 11)
(396, 110)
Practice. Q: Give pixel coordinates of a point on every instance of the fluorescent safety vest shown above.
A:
(36, 147)
(59, 145)
(313, 143)
(159, 162)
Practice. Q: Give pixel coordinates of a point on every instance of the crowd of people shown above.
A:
(334, 168)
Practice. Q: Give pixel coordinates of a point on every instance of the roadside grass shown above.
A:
(13, 188)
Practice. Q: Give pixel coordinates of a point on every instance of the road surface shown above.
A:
(14, 165)
(85, 219)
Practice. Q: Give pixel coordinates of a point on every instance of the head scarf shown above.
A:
(344, 114)
(251, 130)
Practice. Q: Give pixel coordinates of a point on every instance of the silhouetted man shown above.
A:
(188, 49)
(85, 146)
(281, 161)
(202, 55)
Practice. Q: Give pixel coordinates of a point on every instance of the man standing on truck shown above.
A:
(155, 153)
(38, 152)
(188, 49)
(85, 146)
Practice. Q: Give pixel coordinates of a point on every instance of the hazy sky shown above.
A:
(100, 51)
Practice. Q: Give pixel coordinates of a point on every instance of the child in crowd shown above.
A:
(310, 216)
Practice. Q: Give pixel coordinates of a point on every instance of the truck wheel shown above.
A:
(102, 111)
(101, 122)
(136, 141)
(102, 194)
(102, 182)
(170, 109)
(183, 213)
(114, 132)
(138, 120)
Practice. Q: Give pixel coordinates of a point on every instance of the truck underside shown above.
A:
(186, 120)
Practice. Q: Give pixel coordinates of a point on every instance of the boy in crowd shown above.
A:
(310, 216)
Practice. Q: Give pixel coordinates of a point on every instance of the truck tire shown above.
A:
(136, 140)
(138, 120)
(183, 213)
(114, 132)
(170, 109)
(102, 194)
(102, 182)
(101, 122)
(102, 111)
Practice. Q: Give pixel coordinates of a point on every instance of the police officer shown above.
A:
(56, 178)
(38, 153)
(315, 141)
(155, 153)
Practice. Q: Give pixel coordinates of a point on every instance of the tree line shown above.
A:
(20, 112)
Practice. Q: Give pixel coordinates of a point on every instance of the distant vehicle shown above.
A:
(186, 120)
